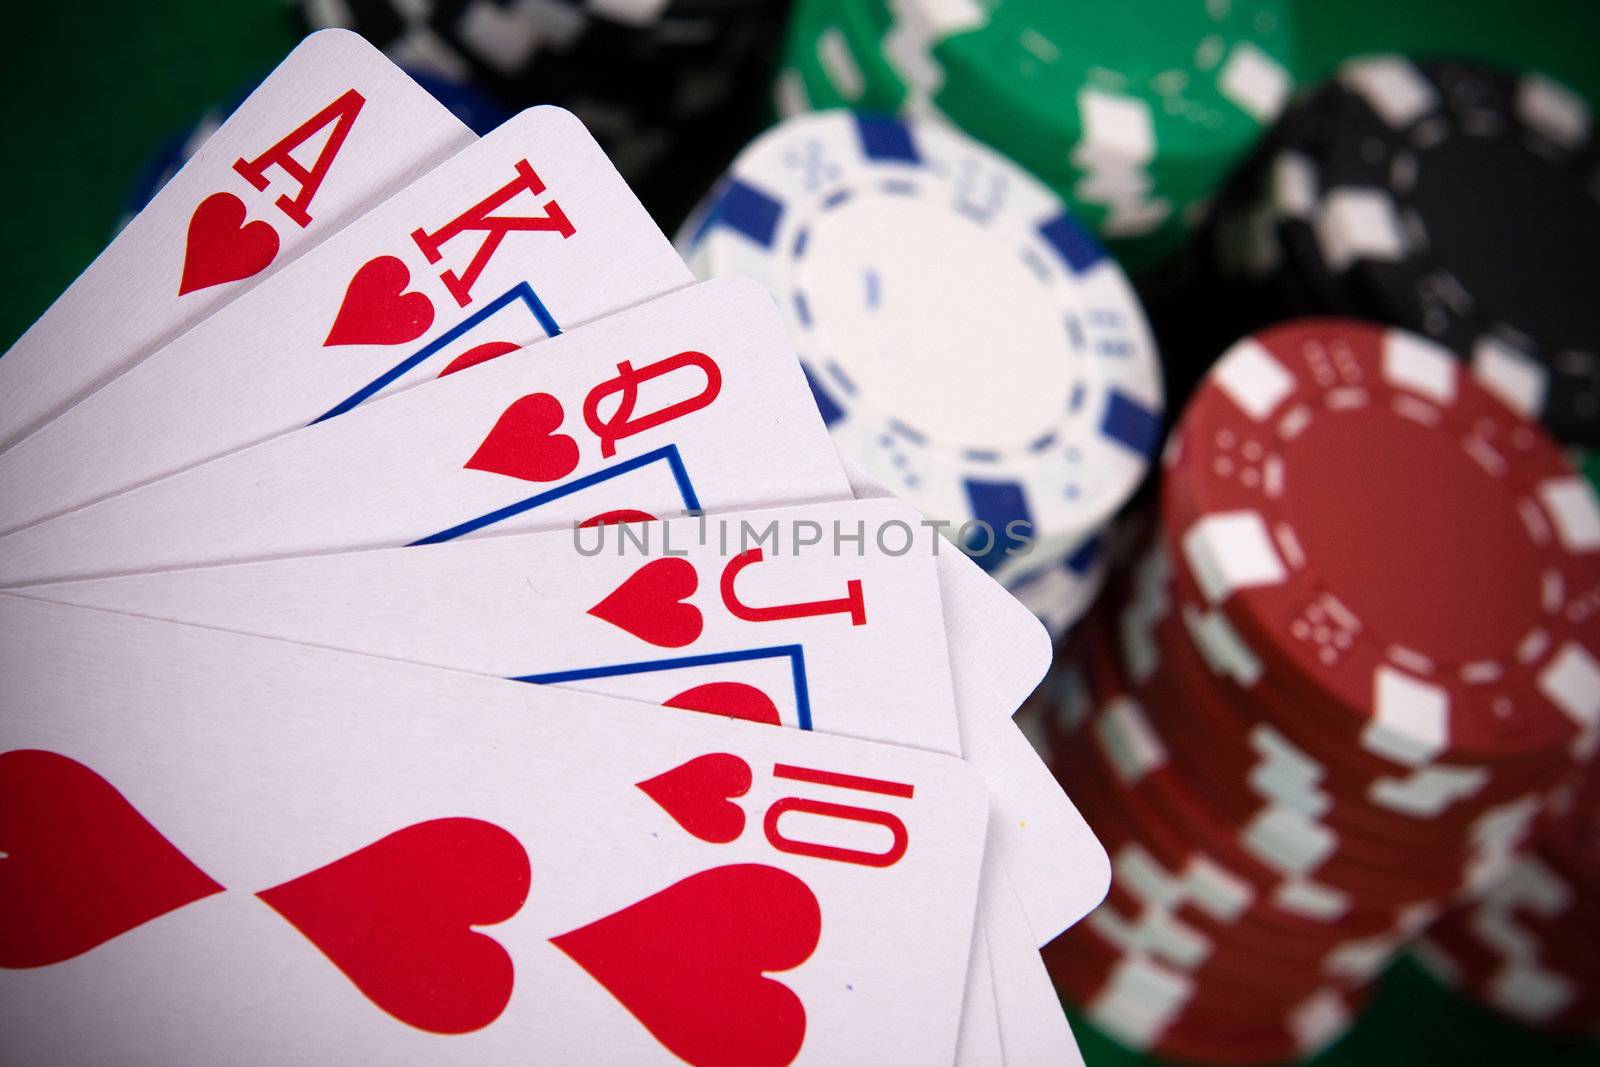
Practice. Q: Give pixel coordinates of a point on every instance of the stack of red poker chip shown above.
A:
(1332, 694)
(1526, 947)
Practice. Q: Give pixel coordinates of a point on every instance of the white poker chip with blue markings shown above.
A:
(1058, 589)
(965, 339)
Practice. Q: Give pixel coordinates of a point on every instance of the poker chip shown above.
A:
(1176, 643)
(1160, 966)
(1525, 947)
(1134, 116)
(1289, 720)
(670, 88)
(477, 111)
(1451, 199)
(1312, 866)
(1261, 775)
(513, 50)
(1306, 876)
(1149, 1005)
(1366, 608)
(1058, 590)
(1013, 391)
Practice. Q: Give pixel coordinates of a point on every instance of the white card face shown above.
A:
(1033, 1026)
(998, 654)
(334, 130)
(979, 1042)
(325, 854)
(524, 234)
(696, 396)
(476, 604)
(1058, 867)
(687, 613)
(349, 483)
(533, 606)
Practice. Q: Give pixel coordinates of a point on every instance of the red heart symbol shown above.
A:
(480, 354)
(688, 963)
(377, 310)
(81, 864)
(396, 917)
(736, 700)
(698, 795)
(607, 518)
(222, 247)
(649, 604)
(524, 443)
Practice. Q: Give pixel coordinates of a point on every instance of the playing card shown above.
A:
(1033, 1026)
(803, 629)
(322, 854)
(333, 130)
(998, 654)
(691, 401)
(519, 236)
(978, 1043)
(758, 615)
(794, 631)
(995, 645)
(401, 471)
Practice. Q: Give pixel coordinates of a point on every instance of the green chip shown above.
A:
(1134, 112)
(833, 58)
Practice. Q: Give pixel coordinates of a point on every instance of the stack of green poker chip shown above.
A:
(832, 59)
(1135, 113)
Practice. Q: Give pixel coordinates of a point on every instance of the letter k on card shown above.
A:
(379, 309)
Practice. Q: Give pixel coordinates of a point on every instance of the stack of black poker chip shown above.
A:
(670, 88)
(1452, 199)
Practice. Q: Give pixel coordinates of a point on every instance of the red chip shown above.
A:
(1370, 516)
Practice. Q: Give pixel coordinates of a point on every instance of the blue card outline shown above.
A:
(666, 453)
(795, 654)
(521, 291)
